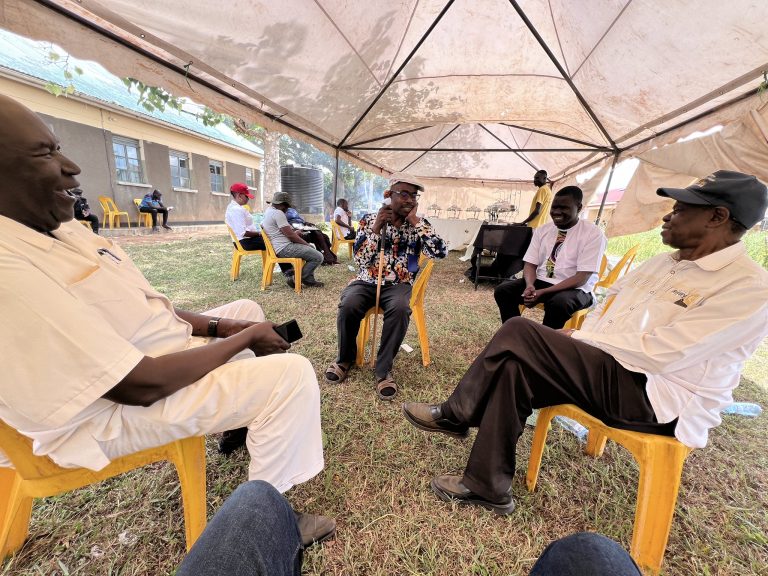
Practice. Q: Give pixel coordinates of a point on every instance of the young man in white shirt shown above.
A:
(287, 242)
(342, 217)
(561, 264)
(662, 354)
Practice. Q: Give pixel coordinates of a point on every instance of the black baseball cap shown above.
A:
(745, 196)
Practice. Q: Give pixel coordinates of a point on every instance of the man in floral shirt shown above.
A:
(406, 236)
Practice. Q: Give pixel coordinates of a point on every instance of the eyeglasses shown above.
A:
(405, 195)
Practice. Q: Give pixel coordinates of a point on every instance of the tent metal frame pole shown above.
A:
(393, 135)
(553, 135)
(397, 72)
(521, 156)
(513, 150)
(424, 152)
(563, 72)
(336, 179)
(607, 188)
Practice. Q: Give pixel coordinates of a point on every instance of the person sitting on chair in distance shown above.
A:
(313, 235)
(662, 354)
(152, 204)
(405, 237)
(139, 373)
(343, 217)
(287, 242)
(83, 210)
(561, 264)
(241, 222)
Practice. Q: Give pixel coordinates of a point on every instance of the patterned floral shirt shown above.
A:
(402, 248)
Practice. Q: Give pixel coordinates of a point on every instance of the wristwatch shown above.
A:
(213, 327)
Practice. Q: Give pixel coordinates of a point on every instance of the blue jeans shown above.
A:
(254, 533)
(312, 258)
(585, 554)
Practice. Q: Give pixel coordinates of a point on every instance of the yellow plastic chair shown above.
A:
(86, 223)
(574, 322)
(607, 280)
(660, 459)
(269, 265)
(238, 254)
(417, 312)
(145, 217)
(112, 213)
(39, 477)
(247, 207)
(339, 240)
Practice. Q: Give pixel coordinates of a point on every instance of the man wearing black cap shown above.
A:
(152, 204)
(662, 354)
(288, 243)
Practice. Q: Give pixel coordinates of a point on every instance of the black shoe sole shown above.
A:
(500, 509)
(420, 426)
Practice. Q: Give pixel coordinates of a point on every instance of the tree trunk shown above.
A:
(271, 166)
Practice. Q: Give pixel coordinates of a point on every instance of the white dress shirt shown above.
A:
(344, 218)
(581, 251)
(689, 326)
(239, 219)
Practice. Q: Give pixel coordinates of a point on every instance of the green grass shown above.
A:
(650, 244)
(376, 481)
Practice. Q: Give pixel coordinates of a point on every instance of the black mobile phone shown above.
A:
(289, 331)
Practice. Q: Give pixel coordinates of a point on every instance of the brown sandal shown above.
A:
(386, 389)
(338, 371)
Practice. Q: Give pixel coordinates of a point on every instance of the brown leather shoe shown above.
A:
(314, 528)
(429, 417)
(450, 488)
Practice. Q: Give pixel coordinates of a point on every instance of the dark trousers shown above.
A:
(585, 554)
(558, 307)
(355, 301)
(322, 243)
(94, 220)
(256, 243)
(154, 211)
(526, 366)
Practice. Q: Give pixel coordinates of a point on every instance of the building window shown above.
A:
(180, 169)
(217, 175)
(250, 177)
(127, 160)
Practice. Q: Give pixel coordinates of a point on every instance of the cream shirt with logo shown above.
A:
(689, 326)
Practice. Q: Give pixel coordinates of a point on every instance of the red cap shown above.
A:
(240, 188)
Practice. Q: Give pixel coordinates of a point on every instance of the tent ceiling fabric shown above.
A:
(477, 89)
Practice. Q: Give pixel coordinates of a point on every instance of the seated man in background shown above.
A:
(405, 237)
(561, 265)
(152, 204)
(140, 373)
(83, 210)
(313, 235)
(343, 217)
(287, 242)
(241, 222)
(662, 354)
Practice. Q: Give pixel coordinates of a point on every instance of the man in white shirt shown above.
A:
(561, 264)
(140, 373)
(662, 354)
(342, 217)
(241, 222)
(287, 242)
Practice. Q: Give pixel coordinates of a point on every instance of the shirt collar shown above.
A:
(721, 258)
(16, 230)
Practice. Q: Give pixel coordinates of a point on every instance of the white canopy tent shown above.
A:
(476, 94)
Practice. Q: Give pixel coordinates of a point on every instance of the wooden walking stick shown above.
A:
(378, 296)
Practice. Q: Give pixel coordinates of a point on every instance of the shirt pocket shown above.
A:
(112, 299)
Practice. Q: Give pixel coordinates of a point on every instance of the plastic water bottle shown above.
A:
(572, 426)
(743, 409)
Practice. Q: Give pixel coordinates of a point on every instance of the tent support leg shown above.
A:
(607, 187)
